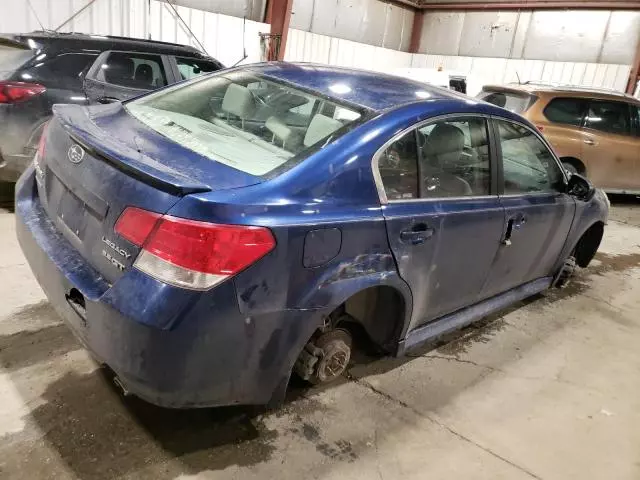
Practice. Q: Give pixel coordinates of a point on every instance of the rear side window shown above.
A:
(64, 70)
(512, 101)
(191, 67)
(398, 167)
(635, 119)
(12, 58)
(568, 111)
(133, 70)
(609, 117)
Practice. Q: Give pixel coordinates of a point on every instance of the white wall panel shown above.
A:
(225, 38)
(311, 47)
(249, 9)
(365, 21)
(594, 36)
(482, 71)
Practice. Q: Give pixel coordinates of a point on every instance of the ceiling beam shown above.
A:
(534, 5)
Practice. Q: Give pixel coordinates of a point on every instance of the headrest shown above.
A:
(320, 127)
(238, 101)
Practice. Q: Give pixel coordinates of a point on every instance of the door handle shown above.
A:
(588, 141)
(418, 234)
(519, 221)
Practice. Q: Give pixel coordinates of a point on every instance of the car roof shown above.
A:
(106, 42)
(372, 90)
(557, 89)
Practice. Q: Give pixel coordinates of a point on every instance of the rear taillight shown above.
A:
(15, 92)
(42, 141)
(189, 253)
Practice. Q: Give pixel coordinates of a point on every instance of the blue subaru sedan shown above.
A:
(211, 239)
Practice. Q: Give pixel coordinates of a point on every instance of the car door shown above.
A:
(538, 210)
(443, 215)
(118, 76)
(609, 147)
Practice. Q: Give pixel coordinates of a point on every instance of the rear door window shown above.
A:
(512, 101)
(133, 70)
(63, 71)
(192, 67)
(609, 117)
(568, 111)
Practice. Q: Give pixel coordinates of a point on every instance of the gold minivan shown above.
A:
(595, 133)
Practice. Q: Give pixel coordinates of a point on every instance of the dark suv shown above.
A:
(38, 70)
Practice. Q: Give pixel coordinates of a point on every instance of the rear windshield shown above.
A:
(512, 101)
(246, 121)
(12, 58)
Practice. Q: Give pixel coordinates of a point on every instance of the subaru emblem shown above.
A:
(75, 154)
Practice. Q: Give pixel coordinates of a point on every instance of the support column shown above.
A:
(278, 16)
(416, 31)
(634, 76)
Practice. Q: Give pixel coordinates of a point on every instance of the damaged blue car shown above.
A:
(210, 239)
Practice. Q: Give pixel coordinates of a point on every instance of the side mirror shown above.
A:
(580, 188)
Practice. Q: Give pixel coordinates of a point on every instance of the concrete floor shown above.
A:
(549, 389)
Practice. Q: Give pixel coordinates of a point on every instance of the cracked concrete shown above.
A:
(549, 389)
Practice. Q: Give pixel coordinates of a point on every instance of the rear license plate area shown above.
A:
(72, 212)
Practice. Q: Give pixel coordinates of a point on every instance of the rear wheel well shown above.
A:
(579, 166)
(380, 311)
(588, 244)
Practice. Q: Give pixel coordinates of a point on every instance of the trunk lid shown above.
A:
(98, 161)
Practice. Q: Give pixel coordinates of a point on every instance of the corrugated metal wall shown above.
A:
(517, 37)
(366, 21)
(310, 47)
(592, 36)
(250, 9)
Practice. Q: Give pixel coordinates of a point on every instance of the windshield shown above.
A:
(244, 120)
(11, 59)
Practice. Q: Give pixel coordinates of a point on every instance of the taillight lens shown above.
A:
(189, 253)
(42, 141)
(15, 92)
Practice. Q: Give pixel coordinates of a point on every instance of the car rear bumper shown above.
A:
(208, 355)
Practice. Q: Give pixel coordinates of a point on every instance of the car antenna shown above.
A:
(518, 76)
(33, 10)
(244, 48)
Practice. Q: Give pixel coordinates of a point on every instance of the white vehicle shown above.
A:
(433, 76)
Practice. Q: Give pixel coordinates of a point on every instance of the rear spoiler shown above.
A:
(77, 123)
(11, 41)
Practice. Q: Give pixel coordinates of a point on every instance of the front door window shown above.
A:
(528, 165)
